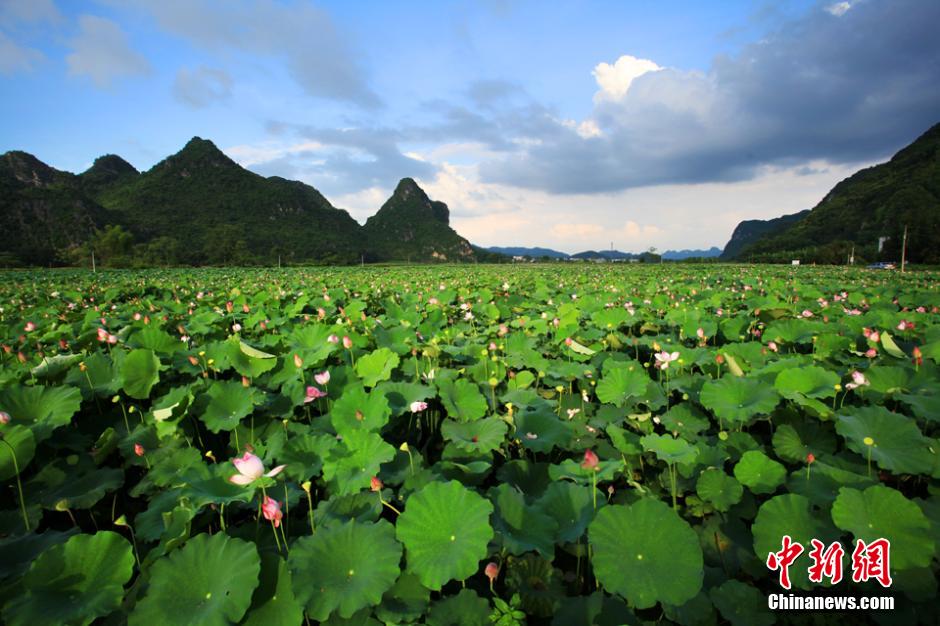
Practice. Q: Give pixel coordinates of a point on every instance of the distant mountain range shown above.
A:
(874, 204)
(609, 255)
(198, 206)
(681, 255)
(535, 253)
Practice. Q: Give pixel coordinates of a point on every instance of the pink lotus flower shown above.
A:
(772, 345)
(322, 378)
(491, 571)
(313, 393)
(807, 313)
(871, 353)
(858, 380)
(30, 327)
(590, 460)
(250, 468)
(347, 342)
(4, 418)
(236, 327)
(568, 341)
(700, 333)
(663, 359)
(418, 406)
(139, 449)
(332, 339)
(102, 334)
(874, 336)
(905, 325)
(271, 509)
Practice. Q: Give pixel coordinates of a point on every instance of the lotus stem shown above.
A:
(382, 500)
(594, 485)
(19, 484)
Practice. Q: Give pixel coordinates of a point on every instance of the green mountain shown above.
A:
(198, 206)
(42, 211)
(751, 231)
(411, 226)
(874, 203)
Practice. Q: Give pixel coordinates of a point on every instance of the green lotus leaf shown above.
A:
(155, 338)
(229, 402)
(99, 377)
(719, 489)
(791, 515)
(570, 469)
(247, 361)
(597, 609)
(742, 605)
(362, 506)
(811, 382)
(759, 473)
(17, 552)
(445, 528)
(462, 400)
(401, 395)
(669, 449)
(252, 352)
(13, 462)
(646, 553)
(140, 371)
(793, 442)
(888, 343)
(405, 601)
(484, 435)
(521, 527)
(273, 603)
(353, 463)
(43, 409)
(685, 421)
(207, 582)
(881, 512)
(887, 379)
(358, 409)
(52, 367)
(571, 506)
(625, 441)
(622, 383)
(342, 569)
(542, 430)
(377, 366)
(696, 612)
(535, 581)
(738, 399)
(464, 609)
(896, 442)
(74, 582)
(78, 486)
(304, 454)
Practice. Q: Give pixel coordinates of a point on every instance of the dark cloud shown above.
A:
(202, 86)
(844, 88)
(317, 56)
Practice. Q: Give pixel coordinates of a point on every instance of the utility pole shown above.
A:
(904, 249)
(852, 255)
(279, 261)
(93, 270)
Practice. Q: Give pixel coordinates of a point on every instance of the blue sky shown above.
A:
(571, 125)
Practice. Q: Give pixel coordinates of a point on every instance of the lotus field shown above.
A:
(566, 444)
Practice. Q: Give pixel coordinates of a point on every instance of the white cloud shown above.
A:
(615, 80)
(202, 86)
(16, 58)
(362, 204)
(839, 8)
(577, 231)
(101, 52)
(247, 155)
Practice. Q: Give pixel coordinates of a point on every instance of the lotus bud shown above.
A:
(491, 571)
(376, 484)
(4, 418)
(139, 449)
(298, 362)
(590, 460)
